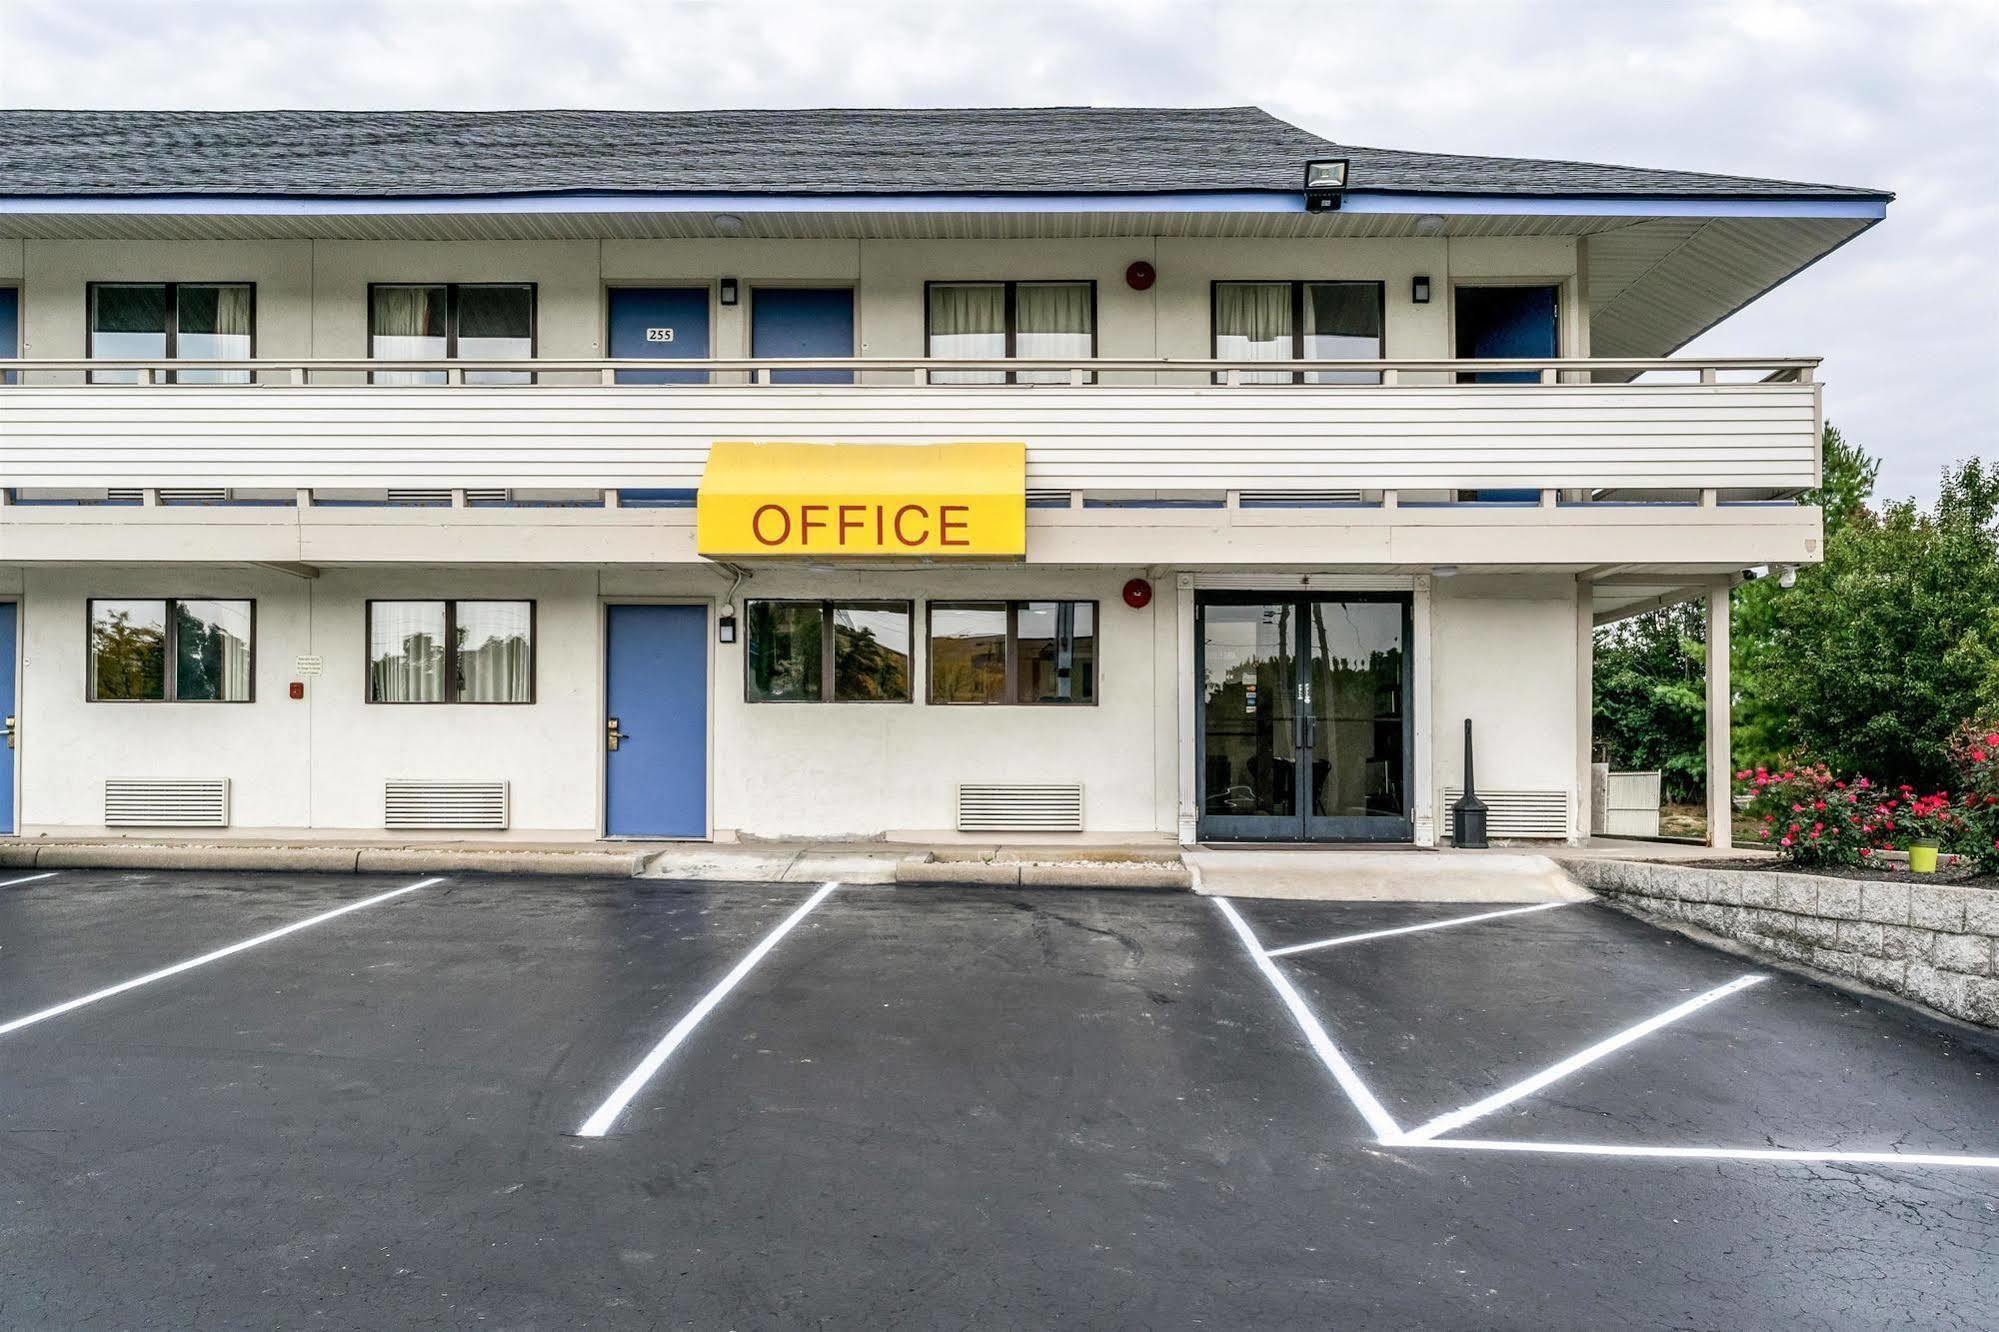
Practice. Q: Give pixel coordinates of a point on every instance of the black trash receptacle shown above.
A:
(1468, 814)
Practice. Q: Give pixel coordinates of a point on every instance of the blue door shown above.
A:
(660, 324)
(1505, 321)
(791, 322)
(8, 633)
(656, 723)
(10, 328)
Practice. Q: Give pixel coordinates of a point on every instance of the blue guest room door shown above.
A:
(795, 322)
(9, 634)
(656, 721)
(1503, 322)
(660, 324)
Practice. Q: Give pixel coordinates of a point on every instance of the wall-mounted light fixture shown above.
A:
(1419, 289)
(725, 626)
(1325, 182)
(730, 291)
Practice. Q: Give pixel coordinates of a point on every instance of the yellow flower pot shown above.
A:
(1923, 857)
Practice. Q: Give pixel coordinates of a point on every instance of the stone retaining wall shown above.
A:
(1932, 943)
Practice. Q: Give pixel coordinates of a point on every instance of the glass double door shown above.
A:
(1304, 717)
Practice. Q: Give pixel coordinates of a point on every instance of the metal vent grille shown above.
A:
(1014, 807)
(166, 802)
(1294, 499)
(444, 496)
(1517, 813)
(409, 803)
(1048, 499)
(202, 495)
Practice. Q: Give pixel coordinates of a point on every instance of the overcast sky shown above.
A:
(1902, 97)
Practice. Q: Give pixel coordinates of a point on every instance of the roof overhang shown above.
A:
(1659, 270)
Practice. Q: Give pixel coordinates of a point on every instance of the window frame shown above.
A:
(172, 327)
(1012, 699)
(451, 290)
(1012, 321)
(170, 674)
(1297, 286)
(828, 648)
(450, 698)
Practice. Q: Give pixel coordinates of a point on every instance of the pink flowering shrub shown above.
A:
(1975, 756)
(1810, 817)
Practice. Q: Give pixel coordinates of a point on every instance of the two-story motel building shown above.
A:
(856, 473)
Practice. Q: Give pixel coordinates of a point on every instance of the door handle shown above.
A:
(9, 726)
(613, 736)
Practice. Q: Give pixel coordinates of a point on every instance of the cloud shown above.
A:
(1900, 96)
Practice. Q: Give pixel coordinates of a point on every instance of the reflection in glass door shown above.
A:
(1304, 711)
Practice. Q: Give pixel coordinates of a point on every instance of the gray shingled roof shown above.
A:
(1058, 150)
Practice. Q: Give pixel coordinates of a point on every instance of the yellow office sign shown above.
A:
(869, 500)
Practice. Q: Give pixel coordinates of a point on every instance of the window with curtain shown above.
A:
(1021, 652)
(172, 321)
(488, 321)
(169, 650)
(451, 652)
(827, 651)
(1008, 321)
(1290, 321)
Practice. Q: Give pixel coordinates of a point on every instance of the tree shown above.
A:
(1762, 734)
(1881, 653)
(1651, 692)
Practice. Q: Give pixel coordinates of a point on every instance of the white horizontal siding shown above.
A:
(1293, 437)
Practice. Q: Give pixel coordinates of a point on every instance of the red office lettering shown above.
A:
(904, 512)
(757, 525)
(946, 524)
(847, 524)
(805, 522)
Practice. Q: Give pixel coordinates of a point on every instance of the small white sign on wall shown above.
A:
(306, 666)
(659, 335)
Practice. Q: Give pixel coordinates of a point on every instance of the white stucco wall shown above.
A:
(1505, 656)
(1503, 651)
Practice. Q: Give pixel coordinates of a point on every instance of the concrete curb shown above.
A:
(319, 859)
(1149, 874)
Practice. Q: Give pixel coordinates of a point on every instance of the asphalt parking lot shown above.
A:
(546, 1103)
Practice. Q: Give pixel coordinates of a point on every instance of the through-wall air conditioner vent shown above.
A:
(1017, 807)
(410, 803)
(200, 495)
(1516, 813)
(1048, 499)
(486, 496)
(1294, 499)
(166, 802)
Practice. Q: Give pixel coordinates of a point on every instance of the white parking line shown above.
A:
(1707, 1153)
(1289, 949)
(32, 878)
(1377, 1117)
(606, 1114)
(216, 956)
(1527, 1087)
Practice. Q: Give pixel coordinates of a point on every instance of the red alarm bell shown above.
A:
(1140, 275)
(1138, 594)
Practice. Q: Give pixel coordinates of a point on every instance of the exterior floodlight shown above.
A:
(1325, 182)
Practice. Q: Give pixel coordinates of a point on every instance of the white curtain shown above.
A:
(968, 323)
(406, 652)
(1051, 321)
(1253, 323)
(403, 318)
(495, 651)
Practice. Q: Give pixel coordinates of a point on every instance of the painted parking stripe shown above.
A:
(32, 878)
(1707, 1153)
(1582, 1058)
(607, 1114)
(1289, 949)
(191, 963)
(1378, 1119)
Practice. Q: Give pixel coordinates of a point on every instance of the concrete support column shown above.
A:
(1188, 698)
(1720, 762)
(1585, 710)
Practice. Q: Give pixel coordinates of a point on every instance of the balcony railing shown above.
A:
(1581, 428)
